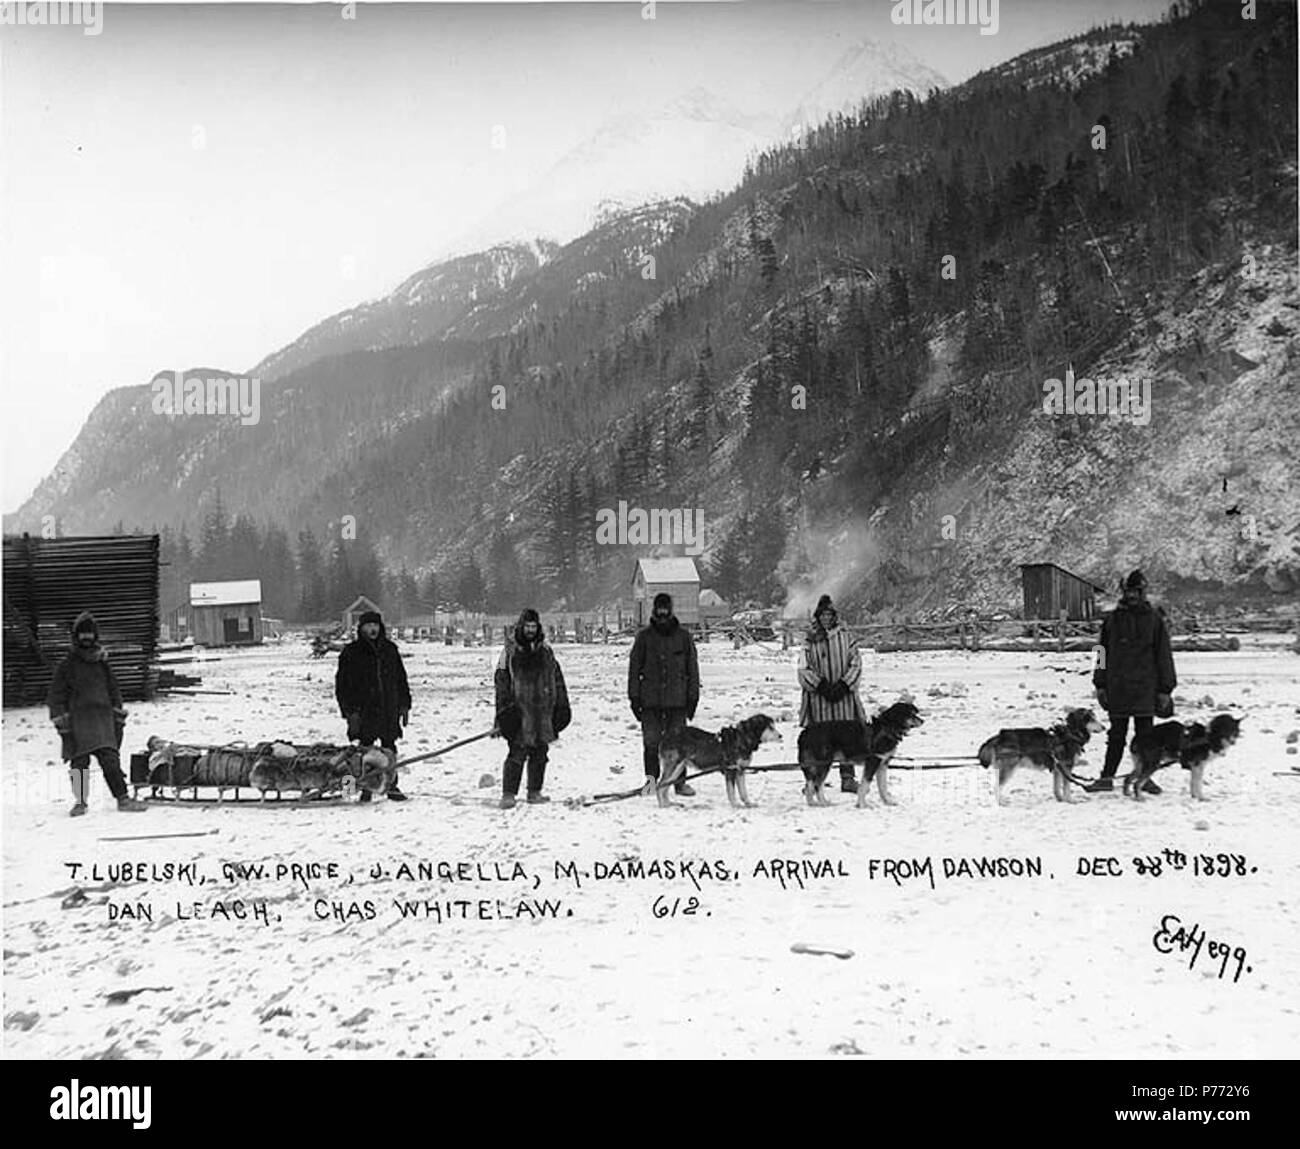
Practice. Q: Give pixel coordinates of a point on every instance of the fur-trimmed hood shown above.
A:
(83, 622)
(528, 614)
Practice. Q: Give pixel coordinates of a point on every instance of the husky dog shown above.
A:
(873, 743)
(373, 771)
(1058, 749)
(1191, 746)
(729, 751)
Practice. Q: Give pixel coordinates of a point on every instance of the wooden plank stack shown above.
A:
(48, 582)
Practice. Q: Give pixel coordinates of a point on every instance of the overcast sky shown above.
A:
(197, 185)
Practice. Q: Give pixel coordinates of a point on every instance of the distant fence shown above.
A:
(1190, 632)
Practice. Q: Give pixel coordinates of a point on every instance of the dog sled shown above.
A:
(238, 772)
(168, 771)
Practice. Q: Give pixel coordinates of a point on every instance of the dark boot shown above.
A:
(80, 787)
(537, 774)
(650, 757)
(847, 783)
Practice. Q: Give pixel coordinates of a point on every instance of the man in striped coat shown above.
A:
(829, 669)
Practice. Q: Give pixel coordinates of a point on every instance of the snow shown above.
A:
(996, 967)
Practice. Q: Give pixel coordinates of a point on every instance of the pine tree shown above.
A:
(504, 588)
(311, 581)
(341, 585)
(430, 591)
(244, 549)
(471, 590)
(214, 548)
(727, 572)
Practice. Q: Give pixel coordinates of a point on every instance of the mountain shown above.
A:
(429, 304)
(352, 381)
(691, 148)
(840, 362)
(866, 70)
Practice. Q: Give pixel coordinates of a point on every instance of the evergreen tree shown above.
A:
(471, 590)
(214, 547)
(312, 605)
(728, 569)
(341, 585)
(430, 592)
(244, 550)
(504, 589)
(281, 592)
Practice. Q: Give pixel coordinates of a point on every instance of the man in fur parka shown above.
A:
(86, 708)
(829, 669)
(532, 707)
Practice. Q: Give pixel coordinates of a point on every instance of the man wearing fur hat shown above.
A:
(663, 684)
(1134, 677)
(372, 691)
(829, 669)
(86, 707)
(532, 707)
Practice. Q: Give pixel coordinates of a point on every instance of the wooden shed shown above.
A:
(1050, 589)
(48, 582)
(677, 577)
(713, 607)
(353, 614)
(226, 613)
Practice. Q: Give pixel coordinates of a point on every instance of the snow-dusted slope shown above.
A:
(423, 307)
(866, 70)
(690, 148)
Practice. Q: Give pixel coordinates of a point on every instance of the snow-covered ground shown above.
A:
(1057, 965)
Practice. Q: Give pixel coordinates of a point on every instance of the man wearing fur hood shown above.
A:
(372, 690)
(829, 669)
(86, 707)
(663, 684)
(532, 707)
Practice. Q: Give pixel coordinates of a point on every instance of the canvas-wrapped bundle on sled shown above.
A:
(317, 771)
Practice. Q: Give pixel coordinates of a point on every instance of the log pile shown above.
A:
(48, 582)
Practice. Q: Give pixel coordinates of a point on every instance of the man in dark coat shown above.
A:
(1135, 676)
(663, 684)
(372, 690)
(86, 707)
(532, 707)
